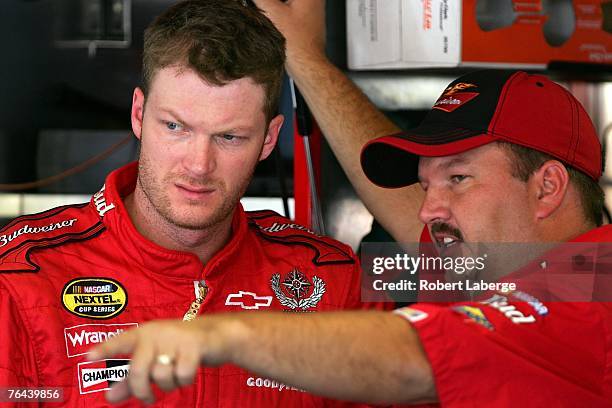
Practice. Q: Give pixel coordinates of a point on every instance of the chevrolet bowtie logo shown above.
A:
(248, 300)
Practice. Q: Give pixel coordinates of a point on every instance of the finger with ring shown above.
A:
(163, 372)
(165, 359)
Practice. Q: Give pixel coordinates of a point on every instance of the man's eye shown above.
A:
(230, 139)
(173, 126)
(457, 178)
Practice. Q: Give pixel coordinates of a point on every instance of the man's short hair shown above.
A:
(525, 162)
(222, 41)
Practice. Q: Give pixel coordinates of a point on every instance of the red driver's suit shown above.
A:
(517, 349)
(74, 276)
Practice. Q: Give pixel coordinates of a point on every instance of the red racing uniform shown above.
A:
(515, 350)
(73, 276)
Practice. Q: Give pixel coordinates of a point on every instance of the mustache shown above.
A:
(441, 227)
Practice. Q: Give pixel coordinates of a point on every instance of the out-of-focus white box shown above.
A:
(385, 34)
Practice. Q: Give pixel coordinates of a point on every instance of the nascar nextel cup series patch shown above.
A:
(96, 298)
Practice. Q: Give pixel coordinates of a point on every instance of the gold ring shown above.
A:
(165, 359)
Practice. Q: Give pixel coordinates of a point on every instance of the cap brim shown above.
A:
(392, 161)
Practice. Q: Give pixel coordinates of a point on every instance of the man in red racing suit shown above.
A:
(74, 276)
(547, 343)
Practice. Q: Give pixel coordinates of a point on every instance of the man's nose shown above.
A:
(201, 156)
(435, 206)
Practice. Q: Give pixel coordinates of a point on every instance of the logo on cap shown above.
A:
(458, 87)
(454, 97)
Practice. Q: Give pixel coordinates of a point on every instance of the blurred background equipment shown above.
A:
(93, 24)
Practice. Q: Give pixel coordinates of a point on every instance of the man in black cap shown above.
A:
(503, 156)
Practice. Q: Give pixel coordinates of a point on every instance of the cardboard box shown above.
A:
(388, 34)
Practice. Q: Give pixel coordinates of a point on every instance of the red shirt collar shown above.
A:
(111, 209)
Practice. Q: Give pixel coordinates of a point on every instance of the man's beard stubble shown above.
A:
(158, 199)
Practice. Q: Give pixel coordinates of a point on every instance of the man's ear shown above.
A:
(271, 136)
(138, 103)
(550, 184)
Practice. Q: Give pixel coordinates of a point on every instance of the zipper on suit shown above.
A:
(196, 305)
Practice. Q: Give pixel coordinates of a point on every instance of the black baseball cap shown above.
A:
(483, 107)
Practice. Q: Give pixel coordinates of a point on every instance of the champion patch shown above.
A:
(96, 376)
(296, 291)
(96, 298)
